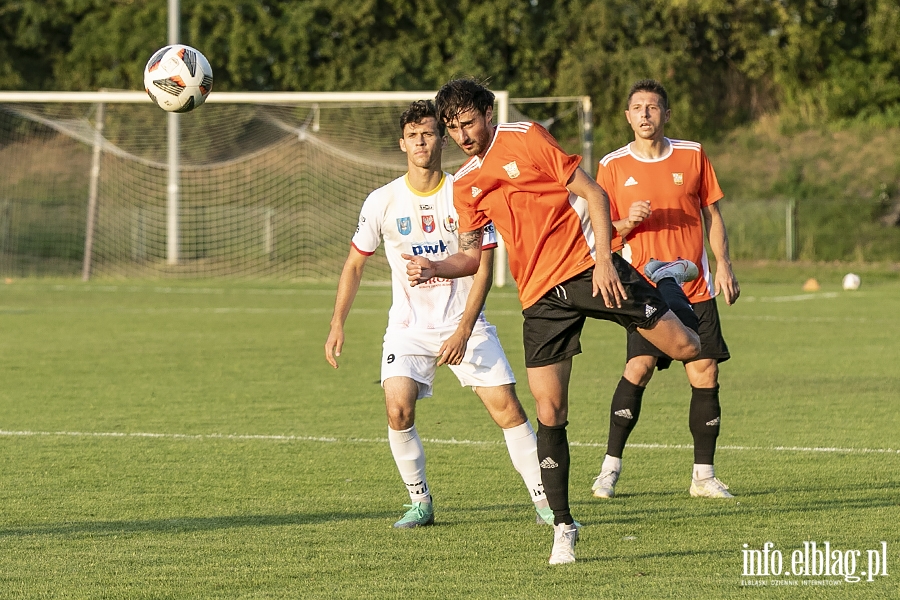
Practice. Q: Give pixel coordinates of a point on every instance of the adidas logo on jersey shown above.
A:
(631, 181)
(714, 422)
(625, 412)
(649, 310)
(475, 191)
(549, 463)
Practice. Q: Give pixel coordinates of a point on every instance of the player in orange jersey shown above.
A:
(663, 197)
(541, 200)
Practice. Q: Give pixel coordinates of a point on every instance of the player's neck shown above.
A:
(422, 179)
(651, 149)
(493, 132)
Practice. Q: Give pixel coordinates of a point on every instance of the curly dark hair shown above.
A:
(652, 86)
(419, 111)
(460, 95)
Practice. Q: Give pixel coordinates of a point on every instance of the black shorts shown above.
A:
(712, 344)
(552, 327)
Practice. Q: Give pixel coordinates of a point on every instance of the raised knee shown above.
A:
(689, 348)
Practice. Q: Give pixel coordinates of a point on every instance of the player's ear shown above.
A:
(403, 145)
(668, 115)
(489, 114)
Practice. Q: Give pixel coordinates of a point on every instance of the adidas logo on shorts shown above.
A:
(549, 463)
(649, 310)
(625, 412)
(714, 422)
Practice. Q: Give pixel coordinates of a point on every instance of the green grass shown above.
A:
(270, 476)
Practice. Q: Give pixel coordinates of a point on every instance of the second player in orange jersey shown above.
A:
(663, 200)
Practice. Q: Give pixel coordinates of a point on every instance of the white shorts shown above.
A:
(413, 353)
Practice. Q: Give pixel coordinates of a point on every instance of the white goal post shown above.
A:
(258, 184)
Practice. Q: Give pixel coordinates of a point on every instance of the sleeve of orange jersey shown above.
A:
(710, 191)
(604, 179)
(548, 157)
(470, 219)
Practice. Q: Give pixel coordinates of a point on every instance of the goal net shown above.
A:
(267, 185)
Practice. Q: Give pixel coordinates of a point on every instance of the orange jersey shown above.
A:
(520, 185)
(678, 186)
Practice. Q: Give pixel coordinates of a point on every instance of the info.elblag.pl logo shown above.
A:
(829, 565)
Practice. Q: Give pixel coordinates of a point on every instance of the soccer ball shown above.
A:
(851, 281)
(178, 78)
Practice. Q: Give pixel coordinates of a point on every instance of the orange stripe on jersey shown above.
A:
(520, 185)
(678, 186)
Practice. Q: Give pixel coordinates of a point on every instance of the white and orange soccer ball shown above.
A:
(178, 78)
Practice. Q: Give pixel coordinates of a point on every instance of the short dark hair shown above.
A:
(652, 86)
(460, 95)
(417, 112)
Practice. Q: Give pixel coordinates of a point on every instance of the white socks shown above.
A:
(703, 472)
(410, 458)
(611, 463)
(522, 445)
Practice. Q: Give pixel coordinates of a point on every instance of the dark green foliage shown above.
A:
(724, 63)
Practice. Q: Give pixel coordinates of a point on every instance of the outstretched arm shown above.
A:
(725, 281)
(454, 348)
(606, 279)
(465, 262)
(351, 275)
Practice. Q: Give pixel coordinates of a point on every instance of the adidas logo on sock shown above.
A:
(549, 463)
(625, 412)
(649, 310)
(714, 422)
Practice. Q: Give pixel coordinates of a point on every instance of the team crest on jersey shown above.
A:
(404, 225)
(512, 169)
(678, 178)
(450, 224)
(427, 223)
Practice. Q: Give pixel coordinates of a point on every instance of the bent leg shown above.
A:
(506, 411)
(502, 404)
(672, 337)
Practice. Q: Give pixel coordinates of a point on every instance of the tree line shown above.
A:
(725, 63)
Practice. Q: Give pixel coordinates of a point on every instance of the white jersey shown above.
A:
(421, 224)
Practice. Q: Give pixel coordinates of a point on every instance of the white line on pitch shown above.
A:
(351, 440)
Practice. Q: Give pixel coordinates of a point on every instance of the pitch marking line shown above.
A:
(334, 440)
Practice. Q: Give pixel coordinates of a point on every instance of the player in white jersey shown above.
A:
(436, 323)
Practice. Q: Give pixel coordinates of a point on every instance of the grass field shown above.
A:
(188, 440)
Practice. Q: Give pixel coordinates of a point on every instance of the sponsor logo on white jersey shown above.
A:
(630, 181)
(427, 223)
(438, 247)
(512, 169)
(404, 225)
(450, 224)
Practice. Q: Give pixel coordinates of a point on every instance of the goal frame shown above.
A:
(102, 97)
